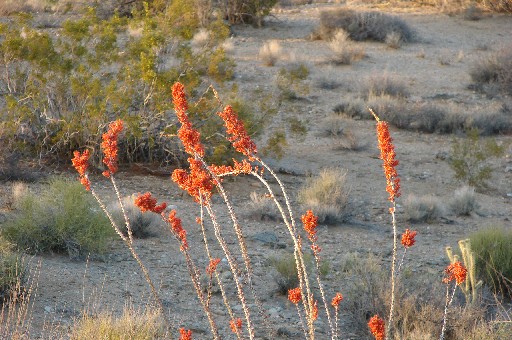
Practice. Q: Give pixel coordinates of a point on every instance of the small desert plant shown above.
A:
(262, 208)
(62, 218)
(351, 109)
(270, 53)
(131, 324)
(427, 208)
(291, 81)
(385, 84)
(327, 194)
(494, 71)
(463, 201)
(332, 127)
(140, 223)
(344, 50)
(494, 257)
(394, 40)
(363, 25)
(12, 271)
(469, 158)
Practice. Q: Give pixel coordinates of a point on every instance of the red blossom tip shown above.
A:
(377, 327)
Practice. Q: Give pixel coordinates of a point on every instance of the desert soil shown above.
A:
(66, 287)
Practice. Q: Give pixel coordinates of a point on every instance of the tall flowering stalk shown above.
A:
(454, 272)
(389, 164)
(335, 302)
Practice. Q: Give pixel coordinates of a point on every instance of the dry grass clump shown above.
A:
(494, 72)
(201, 39)
(331, 127)
(262, 208)
(504, 6)
(394, 40)
(385, 84)
(345, 52)
(327, 195)
(270, 53)
(463, 201)
(362, 25)
(354, 108)
(140, 223)
(427, 208)
(131, 324)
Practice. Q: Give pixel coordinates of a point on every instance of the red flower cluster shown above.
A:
(314, 314)
(177, 229)
(185, 334)
(387, 154)
(109, 147)
(243, 167)
(295, 295)
(198, 182)
(235, 325)
(408, 238)
(377, 328)
(212, 266)
(81, 163)
(238, 135)
(455, 271)
(189, 136)
(336, 300)
(310, 222)
(147, 203)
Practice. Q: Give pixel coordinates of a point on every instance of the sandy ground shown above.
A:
(66, 287)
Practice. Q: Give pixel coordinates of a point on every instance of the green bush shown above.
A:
(494, 258)
(291, 81)
(469, 158)
(247, 11)
(12, 271)
(62, 218)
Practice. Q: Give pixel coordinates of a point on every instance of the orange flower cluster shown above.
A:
(235, 325)
(408, 238)
(377, 328)
(81, 163)
(177, 229)
(310, 222)
(189, 136)
(387, 154)
(455, 271)
(109, 147)
(212, 266)
(146, 202)
(198, 182)
(238, 134)
(295, 295)
(243, 167)
(336, 300)
(185, 334)
(314, 314)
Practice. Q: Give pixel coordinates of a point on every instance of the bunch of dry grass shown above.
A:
(262, 208)
(362, 25)
(463, 201)
(494, 73)
(394, 40)
(384, 84)
(140, 222)
(327, 195)
(345, 52)
(270, 52)
(427, 208)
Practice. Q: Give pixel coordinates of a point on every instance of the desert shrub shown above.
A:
(331, 127)
(362, 25)
(351, 109)
(291, 81)
(297, 127)
(262, 208)
(463, 201)
(495, 71)
(286, 271)
(131, 324)
(12, 271)
(469, 158)
(394, 40)
(344, 51)
(98, 69)
(246, 11)
(270, 52)
(427, 208)
(63, 218)
(140, 223)
(494, 257)
(276, 145)
(384, 84)
(491, 123)
(498, 5)
(327, 195)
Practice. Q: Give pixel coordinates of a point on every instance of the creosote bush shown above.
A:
(494, 258)
(327, 194)
(62, 218)
(362, 25)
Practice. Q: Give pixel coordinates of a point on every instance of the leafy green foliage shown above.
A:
(63, 218)
(469, 158)
(494, 257)
(276, 145)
